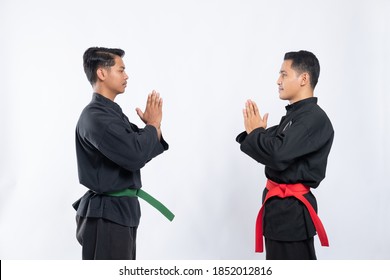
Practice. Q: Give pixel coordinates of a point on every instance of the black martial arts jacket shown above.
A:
(110, 153)
(295, 151)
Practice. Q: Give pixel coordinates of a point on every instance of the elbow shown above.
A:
(279, 166)
(141, 157)
(278, 162)
(135, 164)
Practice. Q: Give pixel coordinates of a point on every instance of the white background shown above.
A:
(205, 58)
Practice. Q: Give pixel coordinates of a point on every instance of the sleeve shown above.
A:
(277, 150)
(241, 137)
(131, 149)
(162, 140)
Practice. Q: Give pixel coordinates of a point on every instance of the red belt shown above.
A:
(286, 190)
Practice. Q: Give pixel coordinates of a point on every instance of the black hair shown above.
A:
(304, 61)
(96, 57)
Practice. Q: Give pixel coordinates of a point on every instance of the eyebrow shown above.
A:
(283, 72)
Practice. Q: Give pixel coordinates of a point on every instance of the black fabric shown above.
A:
(290, 250)
(295, 151)
(105, 240)
(110, 153)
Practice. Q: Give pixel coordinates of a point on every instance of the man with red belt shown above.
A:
(295, 154)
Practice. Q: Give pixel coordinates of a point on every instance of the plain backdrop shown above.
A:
(206, 58)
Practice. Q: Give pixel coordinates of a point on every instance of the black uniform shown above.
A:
(110, 153)
(295, 151)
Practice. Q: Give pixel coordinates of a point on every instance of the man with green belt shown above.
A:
(110, 153)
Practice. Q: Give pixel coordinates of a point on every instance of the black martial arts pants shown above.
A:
(102, 239)
(290, 250)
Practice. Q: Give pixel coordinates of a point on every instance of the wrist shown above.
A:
(155, 124)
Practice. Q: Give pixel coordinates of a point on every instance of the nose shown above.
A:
(279, 81)
(126, 76)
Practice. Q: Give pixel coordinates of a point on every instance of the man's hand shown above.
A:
(153, 111)
(252, 117)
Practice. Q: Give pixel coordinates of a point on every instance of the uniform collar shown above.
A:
(301, 103)
(108, 102)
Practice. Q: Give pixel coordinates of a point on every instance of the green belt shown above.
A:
(147, 197)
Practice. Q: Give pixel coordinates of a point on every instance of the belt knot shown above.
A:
(288, 190)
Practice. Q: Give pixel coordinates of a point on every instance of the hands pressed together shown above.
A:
(153, 114)
(153, 111)
(252, 117)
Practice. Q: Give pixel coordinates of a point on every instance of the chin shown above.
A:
(282, 97)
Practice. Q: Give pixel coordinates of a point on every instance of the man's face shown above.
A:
(116, 79)
(289, 82)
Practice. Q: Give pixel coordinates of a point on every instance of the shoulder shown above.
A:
(95, 113)
(311, 112)
(318, 122)
(320, 115)
(313, 118)
(95, 119)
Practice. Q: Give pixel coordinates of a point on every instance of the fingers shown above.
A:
(255, 109)
(153, 111)
(149, 100)
(265, 118)
(245, 114)
(251, 108)
(139, 112)
(154, 100)
(252, 117)
(154, 96)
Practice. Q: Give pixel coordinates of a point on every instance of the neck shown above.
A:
(301, 95)
(105, 92)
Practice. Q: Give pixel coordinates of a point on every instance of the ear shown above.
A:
(305, 79)
(101, 74)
